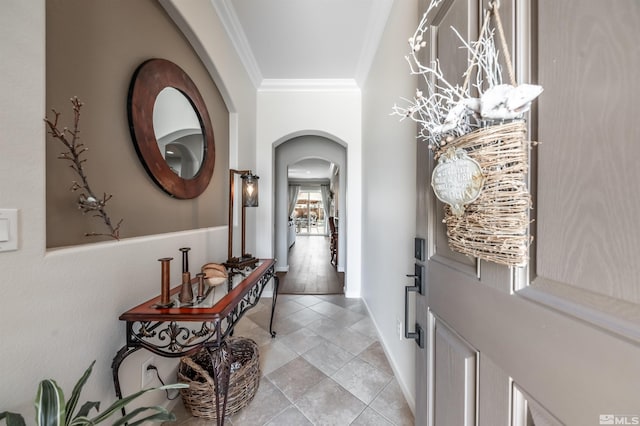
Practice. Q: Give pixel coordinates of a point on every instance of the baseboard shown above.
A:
(408, 394)
(352, 295)
(282, 268)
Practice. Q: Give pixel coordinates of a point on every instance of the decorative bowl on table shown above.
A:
(214, 273)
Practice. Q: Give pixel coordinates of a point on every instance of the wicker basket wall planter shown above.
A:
(495, 226)
(199, 370)
(477, 134)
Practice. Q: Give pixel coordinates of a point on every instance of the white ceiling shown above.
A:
(305, 43)
(285, 40)
(312, 168)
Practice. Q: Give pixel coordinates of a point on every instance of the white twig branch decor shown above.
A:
(447, 111)
(478, 142)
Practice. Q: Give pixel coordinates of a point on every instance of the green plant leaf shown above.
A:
(80, 421)
(172, 386)
(126, 400)
(50, 408)
(86, 408)
(75, 394)
(161, 414)
(13, 419)
(52, 411)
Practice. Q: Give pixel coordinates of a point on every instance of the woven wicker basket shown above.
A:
(197, 371)
(495, 226)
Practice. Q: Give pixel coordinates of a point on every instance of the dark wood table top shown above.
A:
(148, 311)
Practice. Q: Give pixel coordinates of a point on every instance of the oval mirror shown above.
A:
(171, 129)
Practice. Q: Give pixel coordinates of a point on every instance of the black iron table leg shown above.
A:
(221, 364)
(276, 284)
(124, 352)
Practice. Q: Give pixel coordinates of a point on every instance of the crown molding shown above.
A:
(309, 85)
(234, 30)
(378, 17)
(380, 12)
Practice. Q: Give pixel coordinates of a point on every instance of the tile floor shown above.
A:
(324, 367)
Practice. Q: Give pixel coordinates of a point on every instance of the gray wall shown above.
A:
(389, 185)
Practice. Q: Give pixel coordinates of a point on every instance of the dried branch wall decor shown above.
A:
(87, 202)
(492, 225)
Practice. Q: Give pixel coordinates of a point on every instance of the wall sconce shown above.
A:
(249, 199)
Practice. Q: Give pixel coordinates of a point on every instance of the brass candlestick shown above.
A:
(200, 277)
(186, 292)
(185, 259)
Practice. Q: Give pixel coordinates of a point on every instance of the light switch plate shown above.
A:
(9, 220)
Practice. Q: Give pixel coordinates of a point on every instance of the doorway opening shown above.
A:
(311, 263)
(310, 174)
(309, 214)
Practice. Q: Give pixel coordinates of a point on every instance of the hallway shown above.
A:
(324, 367)
(310, 268)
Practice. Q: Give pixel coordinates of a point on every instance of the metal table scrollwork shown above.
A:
(163, 330)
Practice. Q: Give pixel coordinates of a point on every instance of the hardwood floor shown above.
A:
(310, 268)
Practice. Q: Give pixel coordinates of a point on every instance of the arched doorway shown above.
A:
(298, 155)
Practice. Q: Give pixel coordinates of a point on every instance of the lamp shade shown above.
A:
(250, 190)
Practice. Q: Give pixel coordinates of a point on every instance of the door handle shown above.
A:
(418, 334)
(418, 277)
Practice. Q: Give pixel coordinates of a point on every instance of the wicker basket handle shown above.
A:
(493, 9)
(199, 370)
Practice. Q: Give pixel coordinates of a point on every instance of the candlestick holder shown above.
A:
(165, 280)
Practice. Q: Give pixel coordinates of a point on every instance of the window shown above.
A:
(309, 213)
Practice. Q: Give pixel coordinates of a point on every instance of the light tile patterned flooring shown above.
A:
(324, 367)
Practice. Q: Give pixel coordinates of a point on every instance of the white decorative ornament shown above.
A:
(457, 180)
(505, 101)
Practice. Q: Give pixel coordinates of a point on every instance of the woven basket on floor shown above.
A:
(197, 371)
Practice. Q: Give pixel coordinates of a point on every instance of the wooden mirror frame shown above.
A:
(151, 77)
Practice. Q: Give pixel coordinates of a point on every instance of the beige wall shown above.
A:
(92, 49)
(59, 307)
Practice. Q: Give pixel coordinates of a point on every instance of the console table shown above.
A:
(163, 331)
